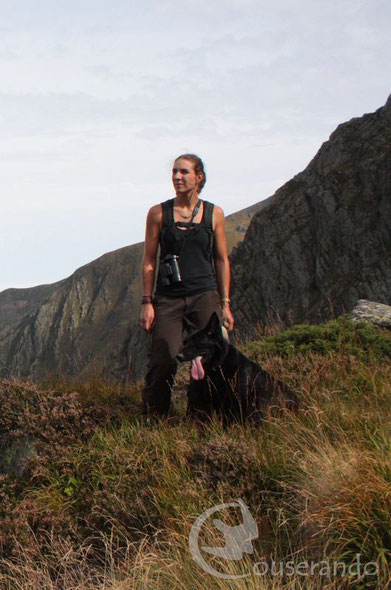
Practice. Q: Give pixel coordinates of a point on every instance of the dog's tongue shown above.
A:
(197, 370)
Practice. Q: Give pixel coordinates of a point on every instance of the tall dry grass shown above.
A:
(110, 505)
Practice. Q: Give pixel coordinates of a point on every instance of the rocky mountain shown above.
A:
(324, 240)
(86, 324)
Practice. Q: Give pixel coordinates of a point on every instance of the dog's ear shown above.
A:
(213, 324)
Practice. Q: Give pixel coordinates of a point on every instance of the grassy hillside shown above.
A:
(107, 502)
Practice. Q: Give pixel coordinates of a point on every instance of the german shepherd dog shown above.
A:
(227, 382)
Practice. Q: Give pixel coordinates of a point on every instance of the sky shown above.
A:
(98, 97)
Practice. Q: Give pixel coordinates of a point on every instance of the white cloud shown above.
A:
(97, 99)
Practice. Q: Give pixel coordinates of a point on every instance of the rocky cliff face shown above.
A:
(78, 326)
(85, 325)
(324, 240)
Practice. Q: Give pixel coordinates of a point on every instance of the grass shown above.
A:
(108, 502)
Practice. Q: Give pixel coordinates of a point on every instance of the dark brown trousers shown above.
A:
(167, 341)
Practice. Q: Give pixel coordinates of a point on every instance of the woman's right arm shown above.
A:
(154, 220)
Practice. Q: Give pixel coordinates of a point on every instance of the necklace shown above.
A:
(183, 216)
(186, 216)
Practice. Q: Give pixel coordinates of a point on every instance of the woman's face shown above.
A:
(184, 177)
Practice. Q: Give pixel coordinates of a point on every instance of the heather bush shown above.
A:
(38, 427)
(47, 416)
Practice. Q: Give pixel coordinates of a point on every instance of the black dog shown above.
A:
(226, 381)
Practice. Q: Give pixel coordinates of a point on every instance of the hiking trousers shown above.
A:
(167, 341)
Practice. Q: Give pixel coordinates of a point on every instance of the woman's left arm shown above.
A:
(223, 273)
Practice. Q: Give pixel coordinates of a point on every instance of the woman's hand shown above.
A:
(147, 317)
(227, 317)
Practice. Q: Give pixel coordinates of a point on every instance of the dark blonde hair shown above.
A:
(198, 167)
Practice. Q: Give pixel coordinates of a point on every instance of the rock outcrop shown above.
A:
(372, 312)
(324, 240)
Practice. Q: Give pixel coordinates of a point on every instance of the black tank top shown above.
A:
(195, 251)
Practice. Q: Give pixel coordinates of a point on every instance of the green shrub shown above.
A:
(342, 335)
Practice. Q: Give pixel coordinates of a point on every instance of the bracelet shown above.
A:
(146, 299)
(225, 300)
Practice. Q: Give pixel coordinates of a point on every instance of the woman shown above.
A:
(193, 278)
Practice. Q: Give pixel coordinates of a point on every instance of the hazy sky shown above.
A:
(97, 98)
